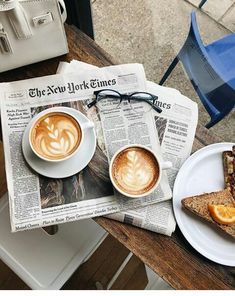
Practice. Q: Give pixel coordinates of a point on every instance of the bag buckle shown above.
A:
(43, 19)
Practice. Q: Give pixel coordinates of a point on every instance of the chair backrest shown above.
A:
(216, 95)
(222, 54)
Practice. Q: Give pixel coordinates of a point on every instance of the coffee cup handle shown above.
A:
(88, 125)
(166, 165)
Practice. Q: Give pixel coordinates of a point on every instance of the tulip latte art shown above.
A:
(135, 170)
(56, 135)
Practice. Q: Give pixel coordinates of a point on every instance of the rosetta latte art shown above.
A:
(135, 170)
(56, 136)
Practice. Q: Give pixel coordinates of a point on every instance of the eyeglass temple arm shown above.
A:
(91, 104)
(156, 108)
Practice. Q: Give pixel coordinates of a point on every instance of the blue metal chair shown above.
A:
(211, 70)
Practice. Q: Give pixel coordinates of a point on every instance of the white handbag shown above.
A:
(31, 31)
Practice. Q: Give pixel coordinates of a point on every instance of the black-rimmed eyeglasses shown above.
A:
(107, 100)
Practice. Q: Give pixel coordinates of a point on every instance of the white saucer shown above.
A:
(68, 167)
(203, 172)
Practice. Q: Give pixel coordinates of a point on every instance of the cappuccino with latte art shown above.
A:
(55, 136)
(135, 171)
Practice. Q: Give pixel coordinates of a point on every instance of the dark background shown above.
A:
(79, 14)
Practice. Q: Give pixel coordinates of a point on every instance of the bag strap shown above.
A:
(64, 13)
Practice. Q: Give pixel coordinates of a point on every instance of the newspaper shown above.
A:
(176, 127)
(37, 201)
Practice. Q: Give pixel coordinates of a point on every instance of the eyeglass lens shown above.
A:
(108, 100)
(141, 97)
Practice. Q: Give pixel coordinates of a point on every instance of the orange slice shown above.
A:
(222, 214)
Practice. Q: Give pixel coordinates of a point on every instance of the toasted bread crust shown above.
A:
(199, 206)
(229, 170)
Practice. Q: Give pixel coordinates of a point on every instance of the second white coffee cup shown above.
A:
(134, 166)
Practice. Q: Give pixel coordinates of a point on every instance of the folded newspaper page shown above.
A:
(37, 201)
(176, 127)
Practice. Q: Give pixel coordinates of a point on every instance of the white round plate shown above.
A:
(203, 172)
(66, 168)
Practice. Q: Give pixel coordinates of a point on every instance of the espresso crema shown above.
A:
(135, 170)
(56, 135)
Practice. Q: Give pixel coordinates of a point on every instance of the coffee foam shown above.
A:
(135, 170)
(56, 135)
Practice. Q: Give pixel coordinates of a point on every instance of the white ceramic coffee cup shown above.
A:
(64, 110)
(163, 165)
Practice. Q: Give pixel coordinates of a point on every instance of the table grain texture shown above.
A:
(172, 258)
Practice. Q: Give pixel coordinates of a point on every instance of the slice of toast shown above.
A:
(229, 170)
(199, 206)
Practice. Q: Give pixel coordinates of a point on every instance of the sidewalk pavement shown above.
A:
(223, 11)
